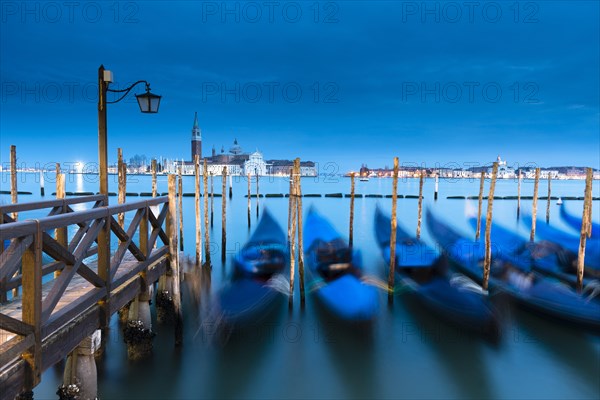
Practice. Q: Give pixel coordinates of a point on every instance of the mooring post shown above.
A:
(437, 183)
(519, 194)
(488, 229)
(351, 233)
(138, 333)
(212, 199)
(549, 195)
(153, 177)
(534, 205)
(61, 233)
(180, 208)
(197, 209)
(479, 203)
(42, 190)
(249, 201)
(174, 262)
(585, 227)
(292, 234)
(122, 184)
(420, 206)
(223, 215)
(80, 378)
(206, 233)
(393, 234)
(13, 178)
(230, 186)
(300, 235)
(257, 195)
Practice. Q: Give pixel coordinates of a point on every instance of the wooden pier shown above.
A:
(54, 313)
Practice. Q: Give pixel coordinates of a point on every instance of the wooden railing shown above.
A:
(108, 282)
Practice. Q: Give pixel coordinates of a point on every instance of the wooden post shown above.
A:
(292, 234)
(300, 235)
(212, 199)
(230, 186)
(224, 215)
(481, 183)
(153, 177)
(351, 233)
(122, 184)
(197, 209)
(585, 227)
(549, 195)
(13, 178)
(437, 184)
(534, 206)
(32, 307)
(290, 205)
(61, 233)
(249, 202)
(420, 207)
(206, 234)
(257, 195)
(393, 234)
(173, 260)
(42, 190)
(180, 208)
(519, 194)
(488, 229)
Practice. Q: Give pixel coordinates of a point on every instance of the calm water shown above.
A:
(304, 354)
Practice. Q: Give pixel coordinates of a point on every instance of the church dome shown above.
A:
(236, 148)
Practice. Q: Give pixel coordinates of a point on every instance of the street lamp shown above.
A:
(148, 103)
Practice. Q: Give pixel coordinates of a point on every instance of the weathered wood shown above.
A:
(536, 185)
(180, 208)
(197, 209)
(42, 189)
(37, 205)
(300, 234)
(488, 229)
(394, 223)
(351, 233)
(257, 194)
(224, 216)
(437, 184)
(122, 184)
(585, 227)
(479, 204)
(519, 193)
(153, 167)
(126, 242)
(212, 199)
(230, 186)
(549, 197)
(206, 233)
(13, 178)
(10, 258)
(32, 307)
(292, 234)
(157, 231)
(291, 206)
(250, 202)
(174, 262)
(14, 347)
(420, 205)
(15, 326)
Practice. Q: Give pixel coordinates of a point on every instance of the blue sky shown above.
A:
(344, 82)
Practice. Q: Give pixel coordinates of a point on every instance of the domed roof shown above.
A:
(236, 148)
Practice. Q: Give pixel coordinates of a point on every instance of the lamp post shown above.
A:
(148, 103)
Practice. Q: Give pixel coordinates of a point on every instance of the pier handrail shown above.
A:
(21, 266)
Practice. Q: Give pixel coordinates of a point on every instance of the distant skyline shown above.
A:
(344, 83)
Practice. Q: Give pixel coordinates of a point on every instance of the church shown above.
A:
(235, 160)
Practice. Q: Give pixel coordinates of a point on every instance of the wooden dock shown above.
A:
(46, 321)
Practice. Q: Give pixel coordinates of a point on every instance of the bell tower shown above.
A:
(196, 138)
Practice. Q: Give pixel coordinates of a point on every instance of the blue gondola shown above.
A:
(424, 272)
(568, 242)
(545, 257)
(252, 291)
(335, 271)
(542, 295)
(575, 222)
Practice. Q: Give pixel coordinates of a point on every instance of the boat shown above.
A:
(568, 242)
(542, 295)
(424, 272)
(364, 179)
(575, 222)
(334, 270)
(257, 272)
